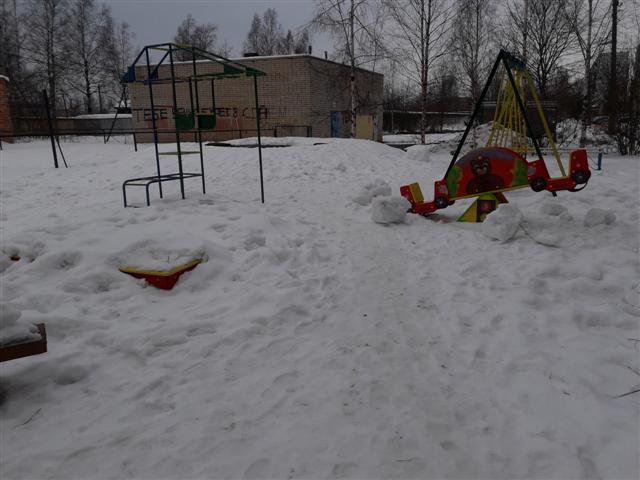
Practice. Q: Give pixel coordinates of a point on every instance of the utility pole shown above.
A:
(613, 80)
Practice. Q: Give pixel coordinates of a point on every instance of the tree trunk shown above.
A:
(424, 44)
(352, 54)
(613, 83)
(586, 107)
(87, 88)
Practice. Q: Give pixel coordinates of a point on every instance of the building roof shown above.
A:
(280, 57)
(301, 55)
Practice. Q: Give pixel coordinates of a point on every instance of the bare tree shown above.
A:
(117, 40)
(265, 35)
(540, 29)
(294, 44)
(84, 49)
(591, 24)
(356, 26)
(9, 40)
(418, 41)
(633, 106)
(203, 36)
(44, 24)
(473, 43)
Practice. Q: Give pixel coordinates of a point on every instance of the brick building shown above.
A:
(5, 115)
(299, 95)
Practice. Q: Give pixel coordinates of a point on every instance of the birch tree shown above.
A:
(356, 27)
(590, 21)
(204, 36)
(9, 40)
(266, 36)
(44, 24)
(118, 43)
(472, 42)
(85, 52)
(541, 31)
(420, 28)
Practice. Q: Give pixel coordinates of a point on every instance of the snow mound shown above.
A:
(151, 255)
(569, 131)
(15, 330)
(477, 138)
(418, 153)
(370, 191)
(502, 224)
(552, 208)
(598, 216)
(390, 210)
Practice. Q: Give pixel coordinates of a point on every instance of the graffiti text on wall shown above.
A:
(162, 113)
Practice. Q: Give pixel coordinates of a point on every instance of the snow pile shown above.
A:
(273, 141)
(476, 138)
(568, 134)
(502, 224)
(418, 153)
(14, 329)
(394, 346)
(552, 208)
(599, 216)
(389, 209)
(375, 189)
(161, 254)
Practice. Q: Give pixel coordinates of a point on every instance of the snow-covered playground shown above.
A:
(314, 342)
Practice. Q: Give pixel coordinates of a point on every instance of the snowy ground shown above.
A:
(432, 138)
(313, 342)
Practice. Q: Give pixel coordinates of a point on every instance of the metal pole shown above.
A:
(175, 113)
(195, 82)
(50, 123)
(115, 118)
(475, 111)
(522, 108)
(153, 122)
(255, 87)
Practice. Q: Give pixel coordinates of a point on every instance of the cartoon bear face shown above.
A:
(480, 166)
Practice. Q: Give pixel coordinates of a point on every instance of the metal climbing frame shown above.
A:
(195, 120)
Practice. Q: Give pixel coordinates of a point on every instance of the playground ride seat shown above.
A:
(501, 165)
(493, 170)
(579, 174)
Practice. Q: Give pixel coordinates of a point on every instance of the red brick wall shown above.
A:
(5, 117)
(297, 91)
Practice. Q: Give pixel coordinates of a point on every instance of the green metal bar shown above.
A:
(255, 87)
(522, 109)
(195, 81)
(175, 112)
(153, 122)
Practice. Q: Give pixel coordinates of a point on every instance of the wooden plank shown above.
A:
(26, 349)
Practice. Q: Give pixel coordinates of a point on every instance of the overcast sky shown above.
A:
(156, 21)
